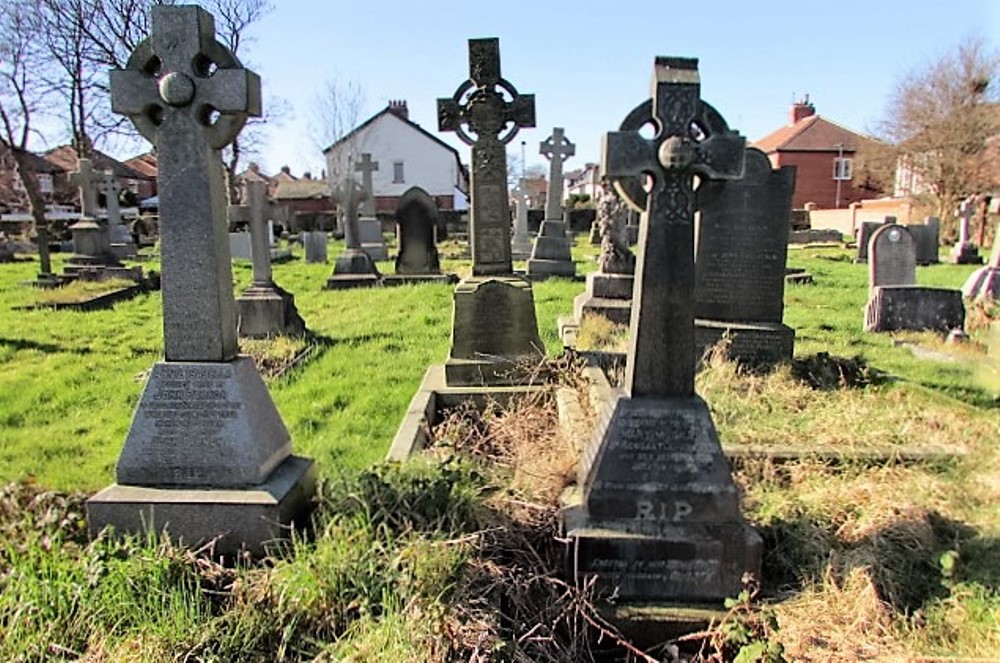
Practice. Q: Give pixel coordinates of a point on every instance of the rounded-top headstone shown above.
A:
(892, 257)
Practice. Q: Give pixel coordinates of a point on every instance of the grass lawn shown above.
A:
(901, 559)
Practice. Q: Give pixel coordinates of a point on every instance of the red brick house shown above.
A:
(146, 164)
(65, 157)
(12, 195)
(823, 154)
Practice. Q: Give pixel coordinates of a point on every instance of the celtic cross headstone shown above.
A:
(658, 516)
(557, 149)
(552, 250)
(478, 106)
(207, 456)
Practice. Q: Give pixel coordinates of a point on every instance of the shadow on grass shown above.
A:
(903, 557)
(25, 344)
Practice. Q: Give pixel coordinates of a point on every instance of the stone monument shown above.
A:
(864, 235)
(984, 283)
(416, 222)
(353, 268)
(122, 244)
(264, 309)
(520, 243)
(965, 252)
(895, 302)
(369, 227)
(741, 251)
(207, 456)
(551, 254)
(93, 258)
(494, 332)
(658, 515)
(928, 238)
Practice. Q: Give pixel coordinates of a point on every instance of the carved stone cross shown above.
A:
(190, 96)
(479, 104)
(256, 210)
(692, 139)
(556, 148)
(111, 188)
(348, 194)
(366, 167)
(86, 179)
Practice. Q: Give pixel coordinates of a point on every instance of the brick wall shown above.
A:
(814, 181)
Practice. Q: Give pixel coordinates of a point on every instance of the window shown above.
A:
(45, 183)
(841, 168)
(133, 186)
(397, 172)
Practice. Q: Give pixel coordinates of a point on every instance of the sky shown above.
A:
(589, 63)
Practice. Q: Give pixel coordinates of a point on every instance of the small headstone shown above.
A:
(965, 252)
(494, 331)
(207, 458)
(892, 257)
(551, 253)
(416, 219)
(658, 517)
(927, 237)
(314, 243)
(864, 233)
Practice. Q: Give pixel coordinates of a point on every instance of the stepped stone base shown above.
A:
(268, 311)
(750, 343)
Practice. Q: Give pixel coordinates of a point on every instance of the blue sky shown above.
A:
(588, 63)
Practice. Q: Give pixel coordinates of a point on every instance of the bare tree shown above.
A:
(336, 109)
(23, 96)
(938, 120)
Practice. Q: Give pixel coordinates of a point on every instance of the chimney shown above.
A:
(286, 170)
(254, 167)
(801, 110)
(398, 107)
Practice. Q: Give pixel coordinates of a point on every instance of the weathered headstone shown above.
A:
(314, 245)
(494, 329)
(927, 236)
(520, 243)
(984, 283)
(122, 244)
(551, 253)
(864, 235)
(659, 516)
(892, 257)
(965, 252)
(416, 220)
(740, 256)
(264, 309)
(369, 227)
(353, 268)
(207, 456)
(93, 258)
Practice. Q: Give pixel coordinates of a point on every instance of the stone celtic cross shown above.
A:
(366, 167)
(86, 179)
(190, 96)
(479, 104)
(556, 148)
(111, 188)
(691, 139)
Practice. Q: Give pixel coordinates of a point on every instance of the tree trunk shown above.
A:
(37, 206)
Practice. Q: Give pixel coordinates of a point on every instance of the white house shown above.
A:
(407, 156)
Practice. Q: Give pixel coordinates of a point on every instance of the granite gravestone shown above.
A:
(658, 516)
(895, 302)
(416, 220)
(928, 243)
(494, 332)
(864, 234)
(892, 257)
(551, 253)
(207, 457)
(264, 309)
(369, 227)
(314, 245)
(353, 268)
(520, 243)
(740, 255)
(122, 244)
(984, 283)
(93, 257)
(965, 252)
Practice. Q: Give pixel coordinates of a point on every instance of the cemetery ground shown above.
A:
(872, 473)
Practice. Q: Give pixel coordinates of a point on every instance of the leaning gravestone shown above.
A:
(658, 516)
(207, 457)
(264, 309)
(353, 268)
(369, 227)
(741, 251)
(551, 254)
(895, 302)
(494, 332)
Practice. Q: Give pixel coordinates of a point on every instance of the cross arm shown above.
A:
(627, 154)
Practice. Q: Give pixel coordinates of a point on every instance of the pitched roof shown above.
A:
(66, 158)
(144, 163)
(811, 134)
(36, 164)
(302, 190)
(388, 110)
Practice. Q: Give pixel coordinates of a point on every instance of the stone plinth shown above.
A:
(657, 515)
(914, 308)
(246, 518)
(372, 240)
(750, 343)
(551, 254)
(264, 311)
(494, 333)
(354, 268)
(965, 253)
(609, 295)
